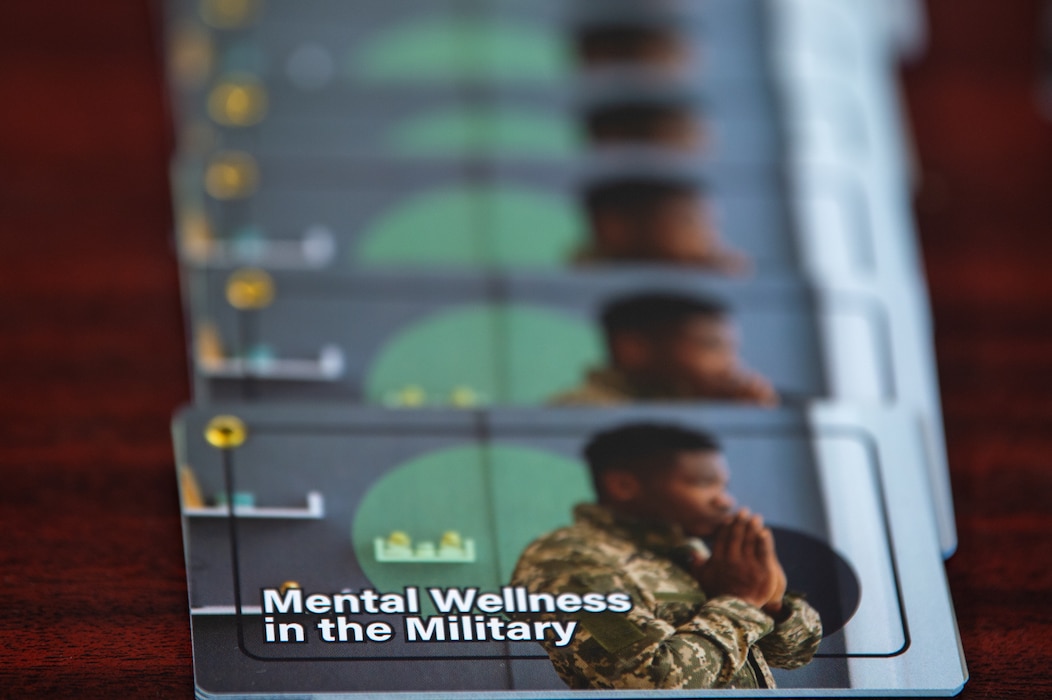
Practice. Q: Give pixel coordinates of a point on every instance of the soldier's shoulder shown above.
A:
(591, 393)
(570, 539)
(578, 547)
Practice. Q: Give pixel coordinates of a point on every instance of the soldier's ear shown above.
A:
(621, 486)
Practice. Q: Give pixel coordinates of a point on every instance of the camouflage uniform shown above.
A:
(604, 387)
(674, 636)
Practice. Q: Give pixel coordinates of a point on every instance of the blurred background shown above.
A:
(92, 352)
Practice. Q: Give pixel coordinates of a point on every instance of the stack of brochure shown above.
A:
(554, 347)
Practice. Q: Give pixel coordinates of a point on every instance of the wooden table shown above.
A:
(92, 359)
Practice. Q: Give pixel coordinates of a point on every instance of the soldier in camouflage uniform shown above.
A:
(700, 618)
(668, 347)
(654, 220)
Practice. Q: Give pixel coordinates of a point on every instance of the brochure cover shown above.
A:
(530, 553)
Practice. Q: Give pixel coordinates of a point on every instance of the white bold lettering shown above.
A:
(291, 602)
(453, 598)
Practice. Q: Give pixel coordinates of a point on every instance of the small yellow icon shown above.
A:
(225, 432)
(196, 235)
(210, 353)
(189, 488)
(239, 100)
(250, 288)
(451, 538)
(287, 585)
(231, 175)
(399, 538)
(464, 397)
(412, 396)
(228, 14)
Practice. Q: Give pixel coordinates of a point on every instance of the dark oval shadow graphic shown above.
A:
(816, 570)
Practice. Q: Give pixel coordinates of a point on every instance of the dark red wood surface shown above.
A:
(93, 597)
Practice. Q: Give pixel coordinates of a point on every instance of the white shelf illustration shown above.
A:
(397, 548)
(315, 510)
(315, 249)
(329, 366)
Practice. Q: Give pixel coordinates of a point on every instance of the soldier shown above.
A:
(667, 347)
(657, 220)
(700, 618)
(663, 123)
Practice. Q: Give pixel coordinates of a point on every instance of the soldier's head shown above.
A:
(654, 46)
(662, 473)
(651, 219)
(666, 124)
(682, 346)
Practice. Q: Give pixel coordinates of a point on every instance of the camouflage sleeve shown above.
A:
(640, 650)
(585, 396)
(796, 638)
(573, 397)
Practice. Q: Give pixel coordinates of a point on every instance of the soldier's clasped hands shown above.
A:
(744, 564)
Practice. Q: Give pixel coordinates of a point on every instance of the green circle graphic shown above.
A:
(444, 49)
(482, 354)
(473, 226)
(459, 131)
(502, 497)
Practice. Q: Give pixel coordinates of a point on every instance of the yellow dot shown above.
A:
(450, 538)
(238, 101)
(232, 175)
(398, 539)
(412, 396)
(287, 585)
(225, 432)
(464, 397)
(250, 288)
(228, 14)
